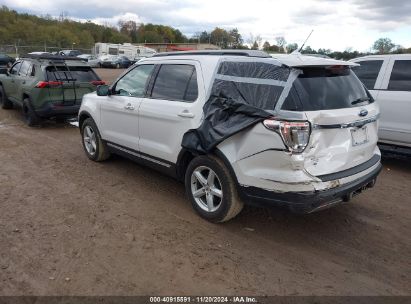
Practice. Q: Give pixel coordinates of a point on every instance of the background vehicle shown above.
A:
(116, 62)
(133, 52)
(71, 53)
(47, 86)
(388, 77)
(310, 149)
(6, 60)
(91, 60)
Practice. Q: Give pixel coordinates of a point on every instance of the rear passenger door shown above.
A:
(21, 79)
(173, 106)
(395, 102)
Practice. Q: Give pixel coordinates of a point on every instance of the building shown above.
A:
(172, 47)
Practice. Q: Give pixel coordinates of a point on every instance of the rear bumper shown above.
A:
(51, 110)
(310, 201)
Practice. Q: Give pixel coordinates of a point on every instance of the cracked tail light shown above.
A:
(295, 134)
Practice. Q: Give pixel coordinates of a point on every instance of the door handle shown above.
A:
(129, 107)
(186, 114)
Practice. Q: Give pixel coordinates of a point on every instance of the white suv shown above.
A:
(240, 126)
(388, 77)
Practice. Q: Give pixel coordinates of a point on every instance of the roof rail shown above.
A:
(245, 53)
(52, 57)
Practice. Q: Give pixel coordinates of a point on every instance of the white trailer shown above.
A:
(132, 52)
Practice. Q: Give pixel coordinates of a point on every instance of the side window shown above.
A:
(134, 83)
(15, 68)
(33, 71)
(176, 82)
(400, 79)
(25, 68)
(368, 72)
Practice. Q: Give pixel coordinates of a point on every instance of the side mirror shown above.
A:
(103, 90)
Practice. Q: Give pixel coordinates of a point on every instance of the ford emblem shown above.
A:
(363, 113)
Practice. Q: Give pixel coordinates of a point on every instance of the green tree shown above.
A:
(291, 47)
(266, 46)
(383, 45)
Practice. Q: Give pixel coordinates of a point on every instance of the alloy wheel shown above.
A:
(90, 140)
(206, 189)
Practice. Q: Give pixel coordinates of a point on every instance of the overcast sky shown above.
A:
(337, 24)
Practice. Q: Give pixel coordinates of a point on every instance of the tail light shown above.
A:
(48, 84)
(295, 134)
(98, 82)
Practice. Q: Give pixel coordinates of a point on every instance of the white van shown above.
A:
(132, 52)
(388, 78)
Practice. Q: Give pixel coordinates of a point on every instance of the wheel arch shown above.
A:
(185, 157)
(183, 160)
(83, 115)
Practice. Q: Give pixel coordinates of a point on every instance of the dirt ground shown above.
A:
(69, 226)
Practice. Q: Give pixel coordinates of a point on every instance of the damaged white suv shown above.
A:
(241, 127)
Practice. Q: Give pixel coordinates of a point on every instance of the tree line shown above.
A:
(26, 29)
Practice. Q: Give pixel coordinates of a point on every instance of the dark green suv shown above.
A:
(47, 86)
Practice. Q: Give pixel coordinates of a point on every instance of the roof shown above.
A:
(55, 59)
(292, 60)
(382, 56)
(246, 53)
(300, 60)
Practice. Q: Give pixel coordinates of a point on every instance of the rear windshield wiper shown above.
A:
(360, 100)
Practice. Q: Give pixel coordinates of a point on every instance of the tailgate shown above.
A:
(343, 118)
(70, 92)
(341, 139)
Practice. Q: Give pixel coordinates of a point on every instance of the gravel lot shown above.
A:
(69, 226)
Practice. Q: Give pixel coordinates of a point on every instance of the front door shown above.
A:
(119, 111)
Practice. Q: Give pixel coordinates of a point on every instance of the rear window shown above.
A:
(71, 73)
(368, 72)
(326, 89)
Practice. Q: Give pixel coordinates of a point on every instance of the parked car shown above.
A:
(91, 60)
(311, 142)
(5, 62)
(46, 86)
(39, 53)
(388, 77)
(70, 53)
(115, 62)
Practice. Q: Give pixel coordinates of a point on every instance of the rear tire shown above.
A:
(4, 102)
(212, 190)
(30, 116)
(95, 148)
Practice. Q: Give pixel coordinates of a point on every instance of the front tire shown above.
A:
(212, 190)
(30, 116)
(95, 148)
(4, 102)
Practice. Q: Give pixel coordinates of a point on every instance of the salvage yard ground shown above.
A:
(69, 226)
